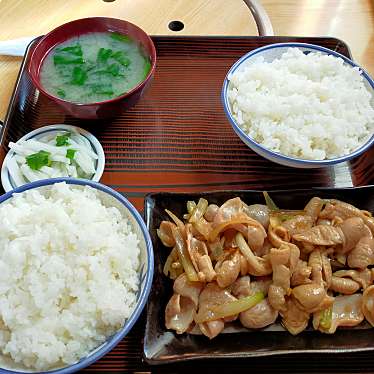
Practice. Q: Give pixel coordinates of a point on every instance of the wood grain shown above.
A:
(350, 20)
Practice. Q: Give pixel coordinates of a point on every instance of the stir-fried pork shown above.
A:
(211, 296)
(280, 262)
(294, 319)
(362, 277)
(259, 316)
(191, 290)
(362, 255)
(353, 229)
(368, 304)
(298, 224)
(228, 269)
(344, 286)
(258, 212)
(253, 263)
(313, 208)
(321, 235)
(179, 313)
(301, 274)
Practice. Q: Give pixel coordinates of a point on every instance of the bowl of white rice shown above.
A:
(300, 105)
(76, 268)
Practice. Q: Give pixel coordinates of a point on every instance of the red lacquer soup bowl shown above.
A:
(102, 109)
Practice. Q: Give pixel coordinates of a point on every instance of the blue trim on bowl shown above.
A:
(116, 338)
(275, 155)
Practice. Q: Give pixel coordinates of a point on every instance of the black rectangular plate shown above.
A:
(164, 346)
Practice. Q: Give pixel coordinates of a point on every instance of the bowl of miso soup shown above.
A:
(93, 67)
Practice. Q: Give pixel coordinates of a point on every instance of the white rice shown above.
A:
(68, 275)
(310, 106)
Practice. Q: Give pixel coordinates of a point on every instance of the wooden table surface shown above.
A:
(350, 20)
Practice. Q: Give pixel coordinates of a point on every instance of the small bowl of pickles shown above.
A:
(93, 68)
(53, 151)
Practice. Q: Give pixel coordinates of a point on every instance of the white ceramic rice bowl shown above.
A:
(110, 198)
(270, 53)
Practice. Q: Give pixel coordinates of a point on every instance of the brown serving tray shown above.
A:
(177, 139)
(164, 346)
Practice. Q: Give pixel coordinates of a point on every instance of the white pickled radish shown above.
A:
(37, 146)
(83, 147)
(85, 162)
(48, 171)
(72, 171)
(59, 158)
(20, 148)
(32, 175)
(15, 172)
(81, 163)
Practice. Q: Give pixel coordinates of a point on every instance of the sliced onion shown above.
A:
(177, 221)
(171, 258)
(198, 211)
(181, 248)
(229, 309)
(203, 227)
(222, 226)
(326, 319)
(269, 202)
(191, 205)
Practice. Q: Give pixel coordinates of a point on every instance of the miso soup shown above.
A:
(94, 67)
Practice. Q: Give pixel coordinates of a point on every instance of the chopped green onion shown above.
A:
(120, 57)
(269, 202)
(37, 160)
(70, 153)
(104, 54)
(147, 68)
(67, 60)
(120, 37)
(74, 50)
(326, 318)
(79, 76)
(102, 89)
(62, 140)
(113, 69)
(61, 93)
